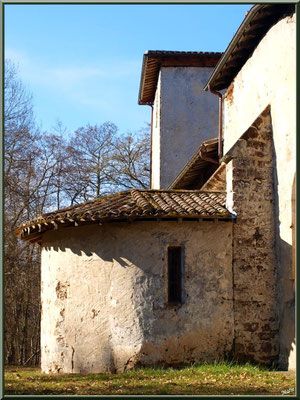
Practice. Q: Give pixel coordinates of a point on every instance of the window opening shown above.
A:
(175, 274)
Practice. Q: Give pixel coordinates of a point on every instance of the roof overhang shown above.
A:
(154, 59)
(256, 24)
(199, 168)
(129, 206)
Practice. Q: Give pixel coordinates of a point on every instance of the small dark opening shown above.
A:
(174, 274)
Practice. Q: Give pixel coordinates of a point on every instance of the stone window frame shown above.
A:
(167, 303)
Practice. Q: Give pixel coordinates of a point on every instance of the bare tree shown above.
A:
(90, 151)
(18, 110)
(131, 160)
(43, 171)
(21, 266)
(32, 164)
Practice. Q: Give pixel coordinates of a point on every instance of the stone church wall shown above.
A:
(250, 175)
(269, 78)
(103, 296)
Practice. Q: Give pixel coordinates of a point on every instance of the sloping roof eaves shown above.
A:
(256, 24)
(154, 59)
(131, 205)
(190, 175)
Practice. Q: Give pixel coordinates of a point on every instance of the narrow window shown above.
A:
(175, 274)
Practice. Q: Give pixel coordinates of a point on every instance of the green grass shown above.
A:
(206, 379)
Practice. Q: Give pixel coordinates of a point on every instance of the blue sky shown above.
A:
(82, 63)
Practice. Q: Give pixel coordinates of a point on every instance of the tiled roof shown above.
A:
(131, 205)
(199, 168)
(256, 24)
(170, 53)
(154, 59)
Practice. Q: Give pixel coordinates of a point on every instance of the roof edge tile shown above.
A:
(131, 204)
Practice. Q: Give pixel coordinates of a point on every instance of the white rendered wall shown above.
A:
(103, 296)
(184, 116)
(155, 168)
(269, 78)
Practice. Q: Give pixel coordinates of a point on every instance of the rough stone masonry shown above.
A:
(254, 260)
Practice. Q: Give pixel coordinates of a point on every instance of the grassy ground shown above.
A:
(211, 379)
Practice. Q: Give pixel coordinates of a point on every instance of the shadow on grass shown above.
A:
(205, 379)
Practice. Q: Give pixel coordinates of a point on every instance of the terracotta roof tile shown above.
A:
(132, 204)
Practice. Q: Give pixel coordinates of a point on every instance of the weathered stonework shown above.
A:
(103, 296)
(104, 287)
(254, 262)
(269, 78)
(217, 181)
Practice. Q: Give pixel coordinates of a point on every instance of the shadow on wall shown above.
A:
(285, 277)
(111, 242)
(125, 257)
(120, 289)
(125, 261)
